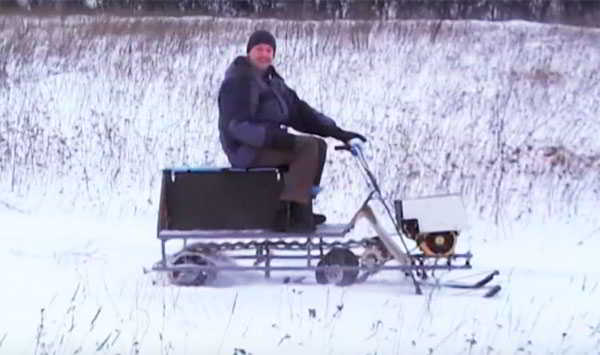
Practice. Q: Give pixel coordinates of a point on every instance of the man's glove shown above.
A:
(346, 136)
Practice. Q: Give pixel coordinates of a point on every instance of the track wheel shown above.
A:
(333, 273)
(192, 277)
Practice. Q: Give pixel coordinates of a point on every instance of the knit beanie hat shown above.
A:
(261, 37)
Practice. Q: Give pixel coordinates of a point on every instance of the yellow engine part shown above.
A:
(438, 244)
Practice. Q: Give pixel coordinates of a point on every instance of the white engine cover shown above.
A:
(440, 213)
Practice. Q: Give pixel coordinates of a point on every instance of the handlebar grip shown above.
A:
(342, 147)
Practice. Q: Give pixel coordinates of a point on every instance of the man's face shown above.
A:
(261, 56)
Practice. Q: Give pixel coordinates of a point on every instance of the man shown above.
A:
(255, 109)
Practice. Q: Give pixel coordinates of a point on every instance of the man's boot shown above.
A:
(301, 218)
(282, 217)
(319, 219)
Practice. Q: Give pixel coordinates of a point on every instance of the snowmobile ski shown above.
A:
(480, 284)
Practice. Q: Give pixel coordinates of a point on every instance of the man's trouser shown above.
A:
(305, 166)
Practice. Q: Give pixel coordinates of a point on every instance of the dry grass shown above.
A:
(107, 101)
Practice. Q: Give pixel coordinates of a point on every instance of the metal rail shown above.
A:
(307, 268)
(326, 230)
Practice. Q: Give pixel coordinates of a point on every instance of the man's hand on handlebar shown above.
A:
(347, 136)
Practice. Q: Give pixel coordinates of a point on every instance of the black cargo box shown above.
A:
(219, 198)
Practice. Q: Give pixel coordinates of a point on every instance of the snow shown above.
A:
(74, 266)
(91, 113)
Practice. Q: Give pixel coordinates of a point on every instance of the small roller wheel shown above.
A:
(192, 277)
(333, 263)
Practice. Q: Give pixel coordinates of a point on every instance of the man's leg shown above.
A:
(303, 167)
(322, 154)
(322, 157)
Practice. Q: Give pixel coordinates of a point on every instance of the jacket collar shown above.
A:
(242, 66)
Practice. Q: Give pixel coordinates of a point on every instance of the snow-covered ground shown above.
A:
(93, 107)
(74, 284)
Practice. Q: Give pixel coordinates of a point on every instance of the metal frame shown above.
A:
(409, 263)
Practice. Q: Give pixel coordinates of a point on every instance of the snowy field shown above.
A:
(79, 288)
(92, 107)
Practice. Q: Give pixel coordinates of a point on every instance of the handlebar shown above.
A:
(354, 148)
(343, 147)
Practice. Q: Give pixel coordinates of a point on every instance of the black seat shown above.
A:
(280, 169)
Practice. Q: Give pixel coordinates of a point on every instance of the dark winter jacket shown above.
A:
(255, 110)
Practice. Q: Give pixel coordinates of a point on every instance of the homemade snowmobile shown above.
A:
(224, 218)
